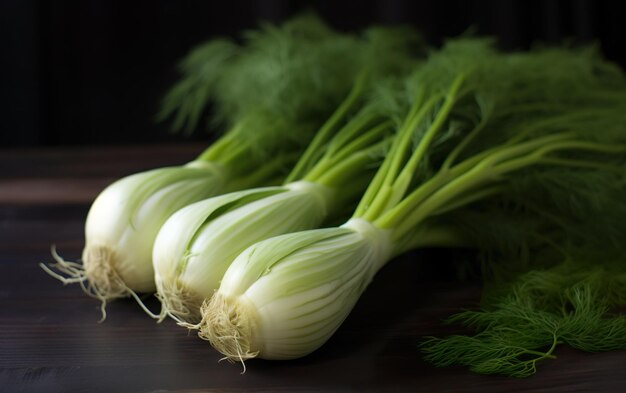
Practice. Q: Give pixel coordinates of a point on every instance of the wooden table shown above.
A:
(50, 340)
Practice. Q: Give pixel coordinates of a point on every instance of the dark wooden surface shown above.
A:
(50, 340)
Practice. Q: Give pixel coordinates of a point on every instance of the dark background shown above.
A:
(93, 72)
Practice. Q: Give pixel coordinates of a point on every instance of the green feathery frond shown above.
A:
(202, 68)
(521, 323)
(279, 85)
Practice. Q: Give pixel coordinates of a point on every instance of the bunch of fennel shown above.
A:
(273, 92)
(528, 134)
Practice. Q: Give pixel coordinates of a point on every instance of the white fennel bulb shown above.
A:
(284, 297)
(123, 222)
(197, 244)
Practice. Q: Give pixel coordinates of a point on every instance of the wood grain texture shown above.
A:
(50, 340)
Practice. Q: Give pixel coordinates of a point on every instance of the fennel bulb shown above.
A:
(285, 304)
(123, 222)
(197, 244)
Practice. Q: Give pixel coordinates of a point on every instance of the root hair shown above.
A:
(228, 324)
(178, 302)
(96, 275)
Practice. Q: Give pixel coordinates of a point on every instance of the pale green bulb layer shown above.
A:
(123, 222)
(280, 302)
(198, 243)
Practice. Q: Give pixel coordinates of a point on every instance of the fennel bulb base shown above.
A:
(99, 263)
(228, 324)
(179, 302)
(96, 274)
